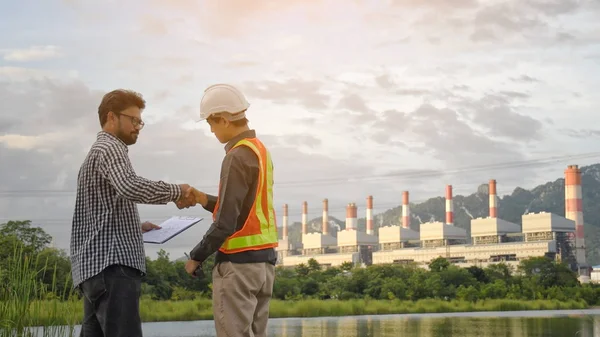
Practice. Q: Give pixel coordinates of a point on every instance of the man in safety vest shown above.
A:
(244, 230)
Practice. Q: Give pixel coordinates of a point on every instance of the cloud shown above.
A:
(302, 140)
(43, 141)
(37, 106)
(23, 74)
(34, 53)
(441, 5)
(235, 18)
(451, 124)
(306, 93)
(153, 26)
(353, 102)
(495, 113)
(443, 134)
(581, 133)
(553, 7)
(459, 24)
(413, 92)
(509, 17)
(385, 81)
(526, 79)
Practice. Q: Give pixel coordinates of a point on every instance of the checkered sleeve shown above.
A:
(116, 167)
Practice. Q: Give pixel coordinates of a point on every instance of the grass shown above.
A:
(21, 304)
(201, 309)
(316, 308)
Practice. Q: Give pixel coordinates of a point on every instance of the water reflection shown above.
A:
(388, 326)
(580, 323)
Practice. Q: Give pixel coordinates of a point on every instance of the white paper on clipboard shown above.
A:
(170, 228)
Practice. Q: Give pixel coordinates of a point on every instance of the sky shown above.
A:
(353, 98)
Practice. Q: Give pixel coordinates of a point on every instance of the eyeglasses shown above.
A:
(134, 120)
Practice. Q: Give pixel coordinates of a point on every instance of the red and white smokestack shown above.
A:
(370, 215)
(493, 199)
(304, 217)
(449, 206)
(285, 221)
(351, 218)
(405, 210)
(325, 216)
(574, 209)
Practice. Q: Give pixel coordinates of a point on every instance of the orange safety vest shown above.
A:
(260, 229)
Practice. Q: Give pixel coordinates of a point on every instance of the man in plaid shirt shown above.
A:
(107, 248)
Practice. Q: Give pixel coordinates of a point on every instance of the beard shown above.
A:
(129, 138)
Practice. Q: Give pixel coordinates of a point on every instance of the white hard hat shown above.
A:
(223, 99)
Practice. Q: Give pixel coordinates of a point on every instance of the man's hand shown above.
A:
(200, 197)
(186, 199)
(148, 226)
(190, 197)
(191, 266)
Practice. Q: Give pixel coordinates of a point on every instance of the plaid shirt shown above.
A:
(106, 225)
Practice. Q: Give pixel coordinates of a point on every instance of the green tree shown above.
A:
(499, 271)
(302, 269)
(347, 266)
(33, 238)
(547, 272)
(438, 264)
(479, 274)
(313, 265)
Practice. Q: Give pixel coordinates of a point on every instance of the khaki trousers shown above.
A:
(241, 296)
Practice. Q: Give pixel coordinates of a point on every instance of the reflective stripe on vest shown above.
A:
(260, 229)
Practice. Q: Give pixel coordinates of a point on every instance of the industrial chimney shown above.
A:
(285, 221)
(304, 217)
(325, 216)
(351, 216)
(449, 206)
(405, 210)
(370, 215)
(493, 199)
(574, 211)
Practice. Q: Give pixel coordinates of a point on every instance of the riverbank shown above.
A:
(201, 309)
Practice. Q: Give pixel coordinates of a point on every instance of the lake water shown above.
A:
(559, 323)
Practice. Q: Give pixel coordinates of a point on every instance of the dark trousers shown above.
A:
(111, 303)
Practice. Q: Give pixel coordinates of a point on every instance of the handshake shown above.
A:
(190, 197)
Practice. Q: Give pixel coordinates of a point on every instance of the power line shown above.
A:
(279, 213)
(314, 211)
(467, 169)
(344, 180)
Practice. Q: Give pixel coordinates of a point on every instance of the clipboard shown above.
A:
(170, 228)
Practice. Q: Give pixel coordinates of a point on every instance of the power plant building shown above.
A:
(491, 239)
(492, 229)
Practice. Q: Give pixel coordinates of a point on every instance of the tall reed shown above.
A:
(28, 307)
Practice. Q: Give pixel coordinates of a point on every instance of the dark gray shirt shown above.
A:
(106, 226)
(239, 180)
